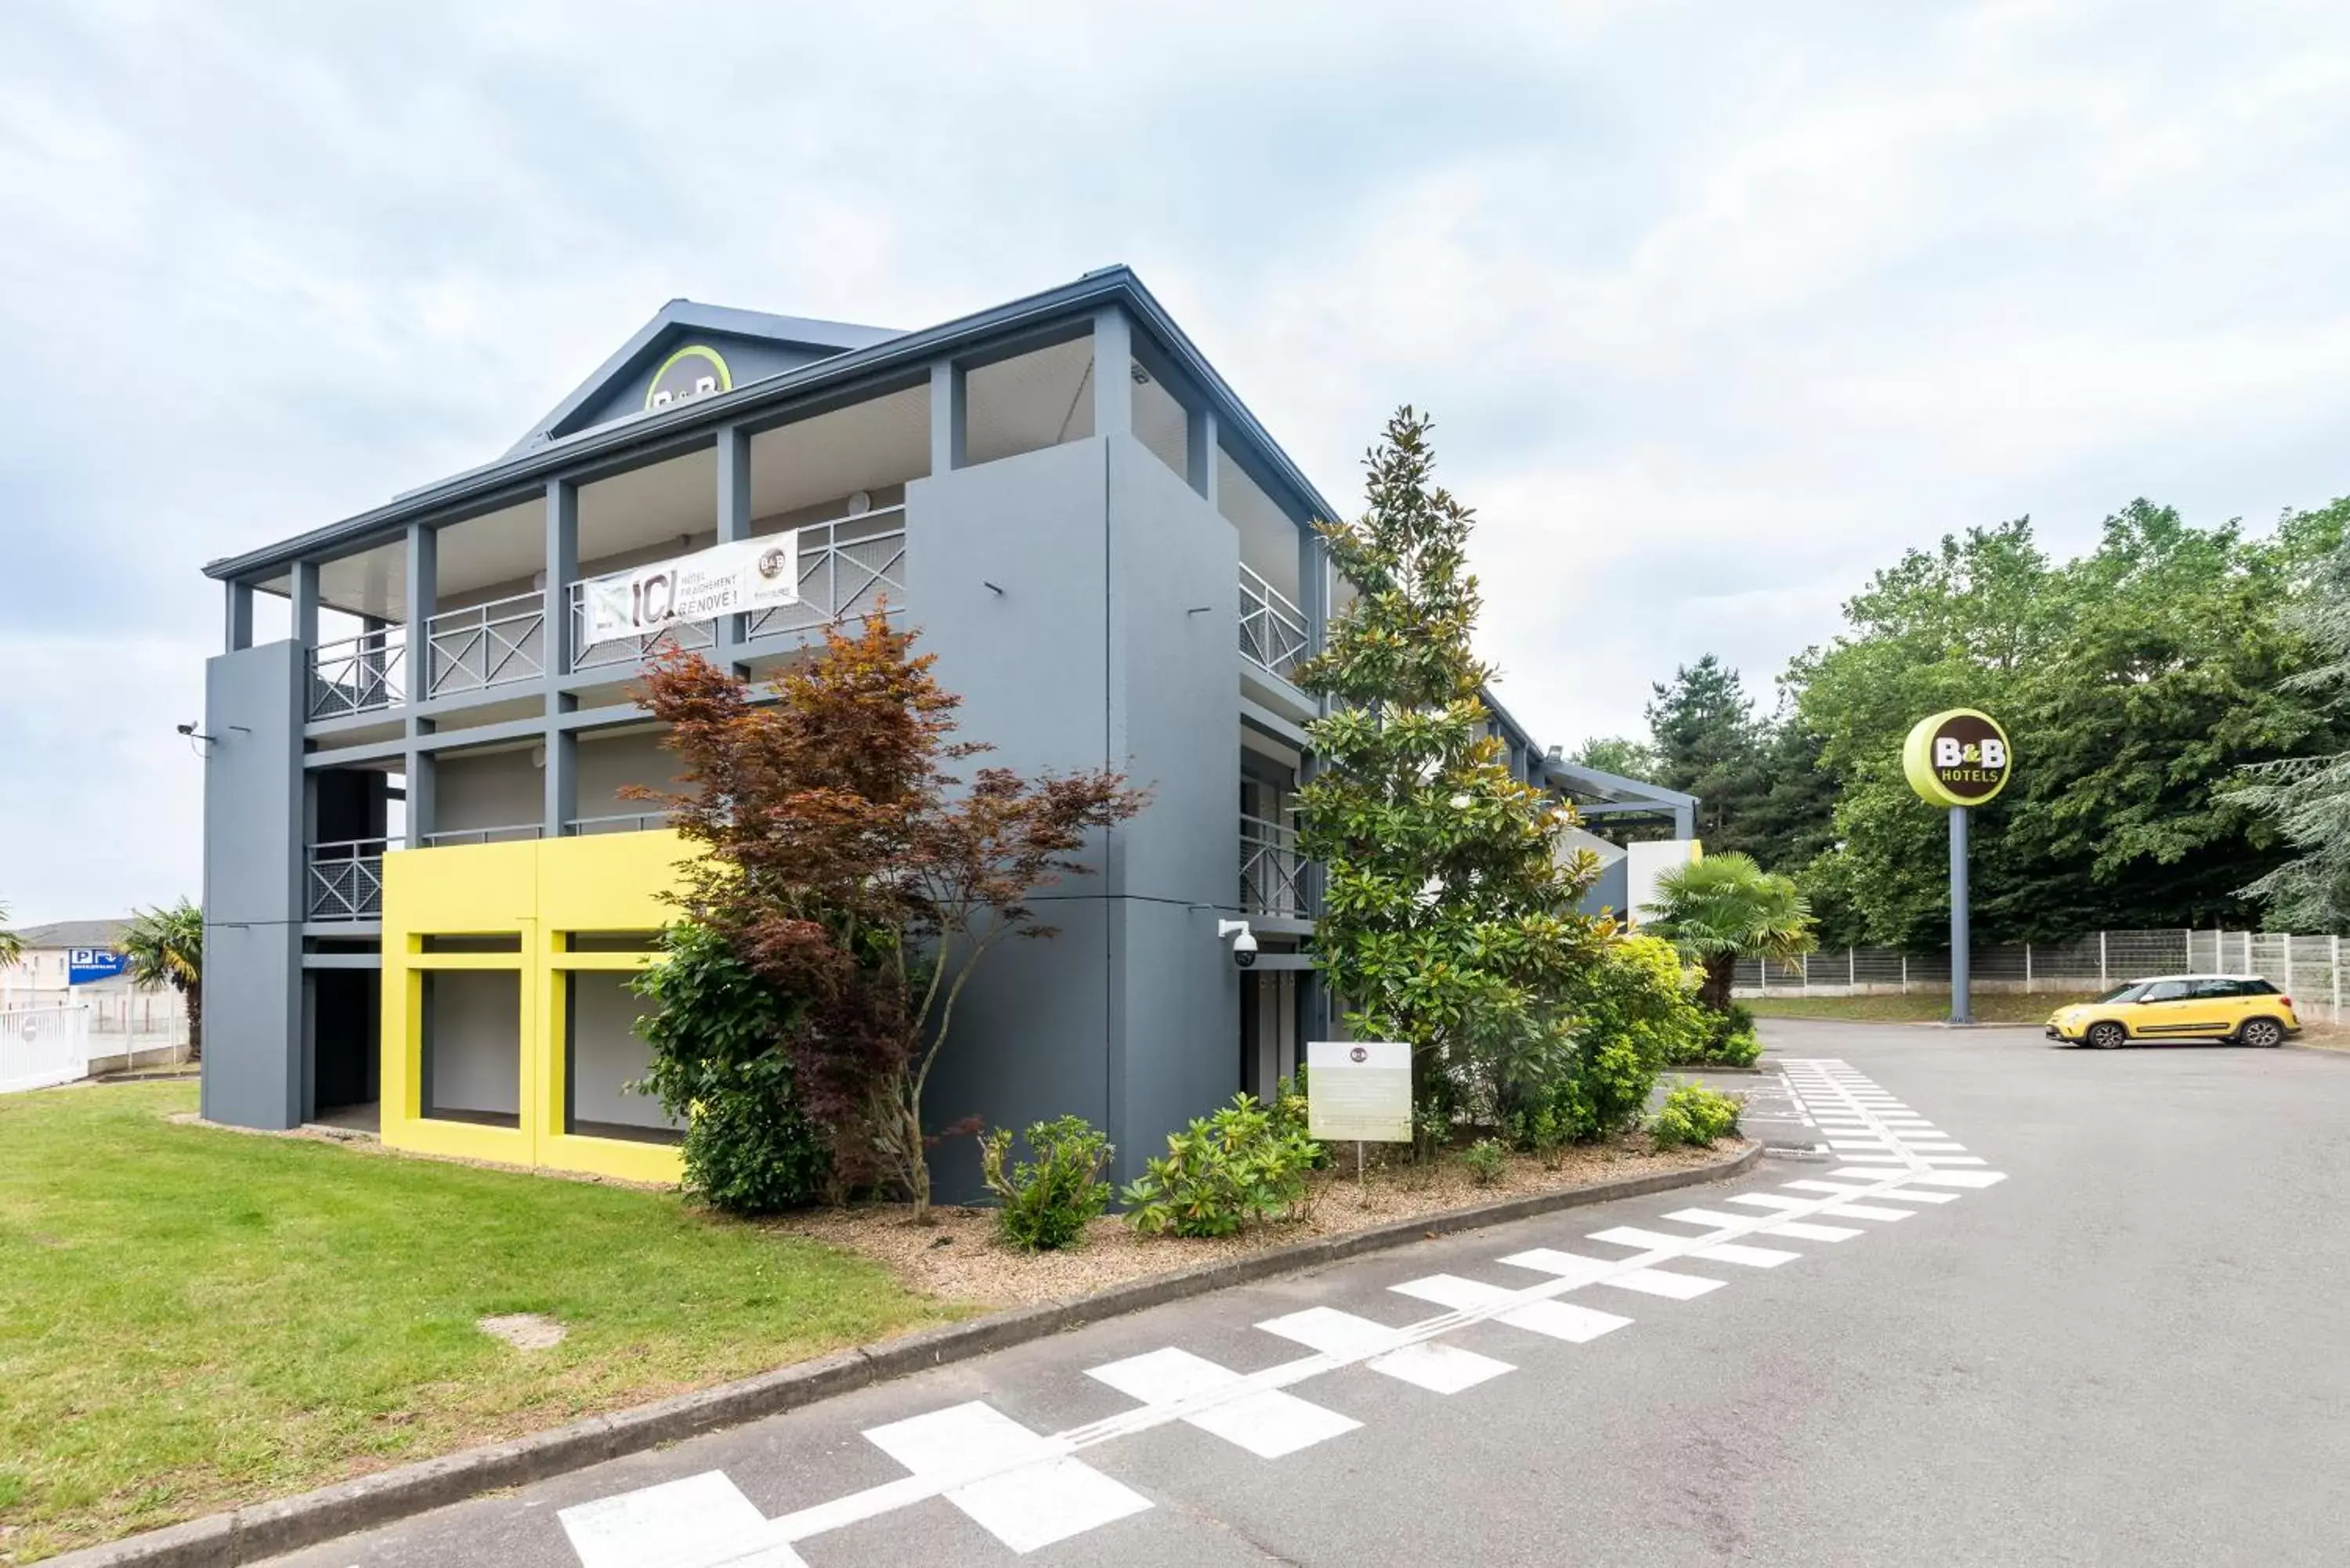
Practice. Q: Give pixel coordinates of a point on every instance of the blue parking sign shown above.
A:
(86, 964)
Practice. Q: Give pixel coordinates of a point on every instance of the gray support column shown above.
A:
(949, 417)
(562, 781)
(238, 634)
(417, 768)
(562, 567)
(734, 526)
(1313, 585)
(1685, 822)
(1113, 374)
(1199, 453)
(305, 577)
(423, 596)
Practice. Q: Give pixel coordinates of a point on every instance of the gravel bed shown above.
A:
(958, 1256)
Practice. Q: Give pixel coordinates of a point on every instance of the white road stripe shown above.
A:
(1438, 1369)
(1802, 1232)
(1714, 1219)
(1639, 1240)
(1905, 1193)
(703, 1519)
(1268, 1423)
(1866, 1211)
(1774, 1201)
(1558, 1320)
(1049, 1499)
(1751, 1257)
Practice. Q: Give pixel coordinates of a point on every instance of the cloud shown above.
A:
(1718, 308)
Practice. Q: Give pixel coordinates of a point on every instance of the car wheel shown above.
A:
(2105, 1036)
(2263, 1033)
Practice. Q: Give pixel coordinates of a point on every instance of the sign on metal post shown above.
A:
(1359, 1090)
(84, 965)
(1960, 758)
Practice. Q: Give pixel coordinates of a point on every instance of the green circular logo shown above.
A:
(1958, 758)
(694, 371)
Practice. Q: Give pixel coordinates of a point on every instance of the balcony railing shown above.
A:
(638, 822)
(358, 674)
(1273, 874)
(346, 880)
(487, 645)
(1273, 629)
(509, 834)
(847, 566)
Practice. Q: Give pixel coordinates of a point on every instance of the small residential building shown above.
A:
(79, 963)
(426, 888)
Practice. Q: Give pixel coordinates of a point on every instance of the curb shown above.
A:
(266, 1529)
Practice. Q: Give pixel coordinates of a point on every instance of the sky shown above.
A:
(1719, 308)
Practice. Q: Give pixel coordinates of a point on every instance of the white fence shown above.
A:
(2308, 969)
(43, 1045)
(127, 1028)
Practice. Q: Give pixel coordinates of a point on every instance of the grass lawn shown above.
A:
(192, 1319)
(1918, 1007)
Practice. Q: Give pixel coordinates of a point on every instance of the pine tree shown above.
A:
(1448, 914)
(2308, 798)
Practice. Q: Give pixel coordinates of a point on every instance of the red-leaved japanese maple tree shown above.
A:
(852, 867)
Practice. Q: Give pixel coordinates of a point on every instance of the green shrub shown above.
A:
(1729, 1041)
(1694, 1115)
(718, 1064)
(1486, 1159)
(1048, 1201)
(1541, 1133)
(1630, 1010)
(1237, 1167)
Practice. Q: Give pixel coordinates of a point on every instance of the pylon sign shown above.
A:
(1960, 758)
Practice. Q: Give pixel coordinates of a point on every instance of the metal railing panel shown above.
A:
(345, 880)
(850, 566)
(358, 674)
(509, 833)
(1273, 873)
(626, 822)
(481, 646)
(1272, 629)
(688, 634)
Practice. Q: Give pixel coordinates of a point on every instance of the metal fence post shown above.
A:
(1905, 974)
(2337, 979)
(2027, 967)
(1805, 982)
(1851, 972)
(2247, 952)
(2102, 981)
(2288, 963)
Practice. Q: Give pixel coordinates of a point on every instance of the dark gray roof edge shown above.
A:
(1111, 285)
(1615, 786)
(71, 934)
(842, 336)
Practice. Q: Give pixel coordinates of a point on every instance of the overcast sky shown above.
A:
(1719, 306)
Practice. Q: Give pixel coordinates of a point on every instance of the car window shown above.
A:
(2210, 988)
(2255, 988)
(2130, 992)
(2166, 990)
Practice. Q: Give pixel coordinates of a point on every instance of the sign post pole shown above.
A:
(1962, 1004)
(1958, 760)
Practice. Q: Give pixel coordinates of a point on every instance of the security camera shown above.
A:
(188, 728)
(1244, 941)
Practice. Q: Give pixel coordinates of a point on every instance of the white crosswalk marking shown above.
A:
(1802, 1231)
(1637, 1239)
(1865, 1211)
(1035, 1505)
(1713, 1219)
(1268, 1423)
(703, 1519)
(1438, 1369)
(1770, 1201)
(1558, 1320)
(1751, 1257)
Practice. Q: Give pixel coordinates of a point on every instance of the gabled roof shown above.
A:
(683, 316)
(450, 499)
(71, 934)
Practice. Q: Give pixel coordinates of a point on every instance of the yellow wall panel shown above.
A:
(540, 891)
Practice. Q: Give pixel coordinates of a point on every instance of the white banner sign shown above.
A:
(1359, 1090)
(746, 576)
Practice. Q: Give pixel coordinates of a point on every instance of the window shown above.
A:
(2167, 991)
(472, 1046)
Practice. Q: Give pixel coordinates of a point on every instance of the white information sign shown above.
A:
(1359, 1090)
(748, 574)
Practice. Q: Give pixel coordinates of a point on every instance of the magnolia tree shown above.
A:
(1447, 909)
(854, 872)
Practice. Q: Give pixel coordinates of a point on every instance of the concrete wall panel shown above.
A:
(253, 814)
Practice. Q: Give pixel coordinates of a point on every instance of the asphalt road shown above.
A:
(2121, 1338)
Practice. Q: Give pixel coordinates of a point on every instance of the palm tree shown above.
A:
(166, 947)
(1725, 908)
(12, 946)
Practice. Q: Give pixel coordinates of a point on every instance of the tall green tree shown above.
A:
(1448, 914)
(2308, 797)
(2134, 681)
(166, 947)
(1703, 728)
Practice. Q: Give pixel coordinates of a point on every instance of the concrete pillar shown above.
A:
(1113, 373)
(562, 567)
(1199, 453)
(949, 417)
(734, 526)
(417, 767)
(305, 578)
(562, 779)
(238, 634)
(423, 597)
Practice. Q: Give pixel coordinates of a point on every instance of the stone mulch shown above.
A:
(959, 1257)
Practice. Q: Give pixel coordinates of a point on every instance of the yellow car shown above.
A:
(2241, 1009)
